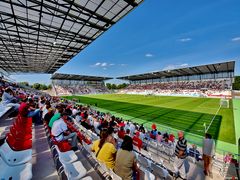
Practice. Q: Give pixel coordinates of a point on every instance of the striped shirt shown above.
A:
(181, 146)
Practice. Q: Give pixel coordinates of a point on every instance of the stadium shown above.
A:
(58, 132)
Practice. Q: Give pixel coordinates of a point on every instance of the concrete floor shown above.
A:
(42, 160)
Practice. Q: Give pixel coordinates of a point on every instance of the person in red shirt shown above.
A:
(137, 141)
(121, 133)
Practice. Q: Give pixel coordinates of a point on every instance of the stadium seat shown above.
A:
(62, 145)
(159, 171)
(66, 157)
(20, 172)
(147, 174)
(87, 178)
(14, 158)
(74, 170)
(3, 109)
(18, 145)
(21, 135)
(144, 162)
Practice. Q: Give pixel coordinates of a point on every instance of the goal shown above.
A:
(224, 103)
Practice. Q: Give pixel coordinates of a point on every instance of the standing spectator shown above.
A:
(180, 155)
(126, 161)
(208, 150)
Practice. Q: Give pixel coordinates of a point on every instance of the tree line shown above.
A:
(37, 86)
(236, 84)
(116, 86)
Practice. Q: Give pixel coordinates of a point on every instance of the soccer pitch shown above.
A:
(178, 113)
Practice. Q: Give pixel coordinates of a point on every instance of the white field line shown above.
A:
(213, 119)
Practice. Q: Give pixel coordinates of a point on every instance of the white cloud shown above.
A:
(104, 64)
(174, 66)
(122, 64)
(98, 64)
(185, 39)
(236, 39)
(148, 55)
(184, 65)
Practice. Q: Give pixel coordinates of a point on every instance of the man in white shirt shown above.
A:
(208, 150)
(61, 133)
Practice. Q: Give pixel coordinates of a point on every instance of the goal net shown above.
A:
(224, 103)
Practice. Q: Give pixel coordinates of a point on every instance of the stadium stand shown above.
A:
(213, 80)
(155, 155)
(70, 84)
(46, 45)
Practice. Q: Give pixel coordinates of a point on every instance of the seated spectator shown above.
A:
(153, 134)
(128, 133)
(132, 128)
(137, 141)
(121, 133)
(159, 137)
(9, 100)
(49, 115)
(56, 116)
(171, 138)
(126, 161)
(193, 152)
(60, 131)
(105, 149)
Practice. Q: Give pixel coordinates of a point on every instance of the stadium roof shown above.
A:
(41, 36)
(186, 71)
(59, 76)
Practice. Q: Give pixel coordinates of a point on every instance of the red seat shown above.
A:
(24, 120)
(62, 145)
(26, 130)
(18, 145)
(21, 135)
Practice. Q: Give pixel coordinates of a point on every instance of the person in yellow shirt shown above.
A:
(105, 149)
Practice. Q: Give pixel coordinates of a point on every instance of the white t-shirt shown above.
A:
(132, 128)
(74, 112)
(59, 126)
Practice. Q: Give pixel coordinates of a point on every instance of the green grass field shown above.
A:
(179, 113)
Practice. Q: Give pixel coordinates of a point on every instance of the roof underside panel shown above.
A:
(41, 36)
(59, 76)
(187, 71)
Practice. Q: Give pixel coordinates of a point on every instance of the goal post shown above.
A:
(224, 103)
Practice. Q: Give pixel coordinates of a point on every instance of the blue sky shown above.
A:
(160, 34)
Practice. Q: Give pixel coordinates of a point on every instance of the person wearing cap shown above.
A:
(180, 156)
(60, 131)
